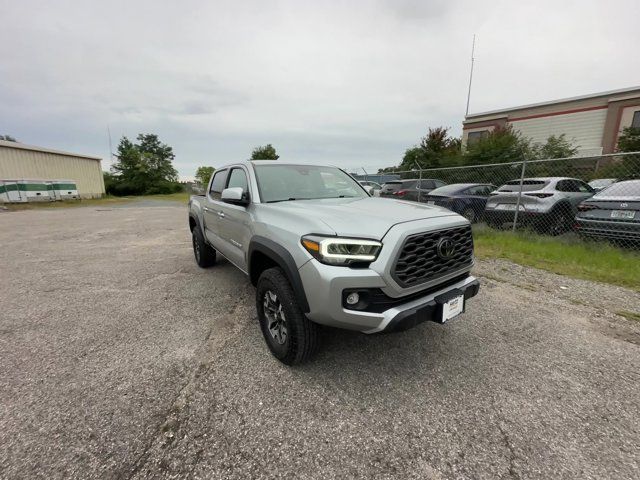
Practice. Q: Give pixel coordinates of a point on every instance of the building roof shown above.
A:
(609, 93)
(22, 146)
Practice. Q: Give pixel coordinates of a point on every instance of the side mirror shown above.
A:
(235, 196)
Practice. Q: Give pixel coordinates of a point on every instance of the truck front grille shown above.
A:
(431, 255)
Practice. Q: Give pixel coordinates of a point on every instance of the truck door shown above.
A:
(212, 210)
(234, 223)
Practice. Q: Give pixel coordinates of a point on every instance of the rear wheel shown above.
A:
(290, 335)
(205, 255)
(470, 214)
(559, 221)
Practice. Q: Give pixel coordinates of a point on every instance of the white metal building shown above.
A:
(19, 161)
(591, 122)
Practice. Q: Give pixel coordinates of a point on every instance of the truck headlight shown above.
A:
(341, 251)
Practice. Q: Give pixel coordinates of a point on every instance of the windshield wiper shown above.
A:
(288, 199)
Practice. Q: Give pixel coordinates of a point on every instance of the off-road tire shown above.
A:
(302, 334)
(205, 255)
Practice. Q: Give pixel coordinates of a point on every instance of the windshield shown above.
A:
(279, 183)
(622, 189)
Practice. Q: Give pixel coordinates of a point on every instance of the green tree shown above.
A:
(555, 147)
(629, 141)
(203, 175)
(145, 167)
(436, 149)
(264, 153)
(7, 138)
(502, 145)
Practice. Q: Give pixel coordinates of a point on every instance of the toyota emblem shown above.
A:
(445, 248)
(624, 205)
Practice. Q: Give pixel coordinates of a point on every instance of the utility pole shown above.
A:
(473, 49)
(110, 146)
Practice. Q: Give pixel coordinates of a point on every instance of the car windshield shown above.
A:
(527, 185)
(278, 183)
(621, 189)
(449, 189)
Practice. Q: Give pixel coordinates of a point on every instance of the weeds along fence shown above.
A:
(596, 197)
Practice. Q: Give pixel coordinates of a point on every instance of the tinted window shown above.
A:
(566, 186)
(238, 179)
(477, 190)
(217, 185)
(584, 187)
(427, 184)
(635, 123)
(409, 184)
(573, 186)
(527, 186)
(439, 183)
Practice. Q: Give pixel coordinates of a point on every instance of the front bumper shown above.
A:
(324, 290)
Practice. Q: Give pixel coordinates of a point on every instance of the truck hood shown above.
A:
(370, 217)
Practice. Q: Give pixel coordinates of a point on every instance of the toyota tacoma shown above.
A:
(321, 251)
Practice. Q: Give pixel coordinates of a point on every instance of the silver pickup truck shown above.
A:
(320, 250)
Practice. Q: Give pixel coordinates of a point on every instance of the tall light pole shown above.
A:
(473, 49)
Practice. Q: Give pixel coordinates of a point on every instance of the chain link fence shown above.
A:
(595, 198)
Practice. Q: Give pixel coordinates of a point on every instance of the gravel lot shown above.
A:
(122, 359)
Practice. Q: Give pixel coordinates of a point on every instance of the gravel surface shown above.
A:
(122, 359)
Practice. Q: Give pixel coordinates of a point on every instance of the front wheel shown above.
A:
(290, 335)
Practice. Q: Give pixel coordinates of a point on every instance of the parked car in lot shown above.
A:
(613, 213)
(412, 189)
(467, 199)
(548, 204)
(372, 188)
(321, 254)
(602, 183)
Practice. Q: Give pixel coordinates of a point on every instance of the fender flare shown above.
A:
(285, 261)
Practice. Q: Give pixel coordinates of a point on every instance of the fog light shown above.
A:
(353, 298)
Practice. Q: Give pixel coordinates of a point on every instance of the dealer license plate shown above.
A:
(452, 308)
(623, 214)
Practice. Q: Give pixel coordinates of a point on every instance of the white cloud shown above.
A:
(351, 83)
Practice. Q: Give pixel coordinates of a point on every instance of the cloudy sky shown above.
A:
(352, 82)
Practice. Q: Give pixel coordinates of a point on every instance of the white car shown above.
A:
(372, 187)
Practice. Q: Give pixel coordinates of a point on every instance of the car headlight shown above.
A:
(341, 251)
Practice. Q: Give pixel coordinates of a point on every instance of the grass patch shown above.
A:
(629, 315)
(106, 201)
(565, 255)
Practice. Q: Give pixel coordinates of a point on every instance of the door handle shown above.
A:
(206, 209)
(221, 214)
